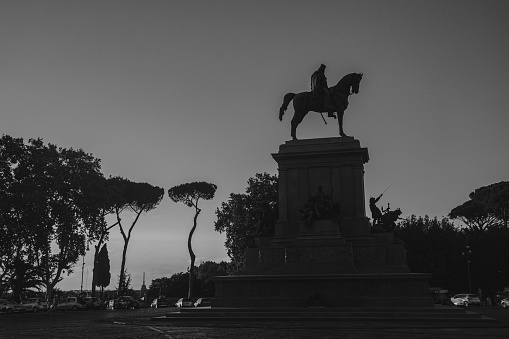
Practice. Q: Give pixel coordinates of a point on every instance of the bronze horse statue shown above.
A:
(388, 223)
(305, 102)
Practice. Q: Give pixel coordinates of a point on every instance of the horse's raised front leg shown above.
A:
(341, 112)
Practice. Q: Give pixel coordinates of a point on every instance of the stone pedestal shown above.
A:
(335, 259)
(329, 290)
(335, 164)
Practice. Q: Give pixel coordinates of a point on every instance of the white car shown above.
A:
(159, 302)
(202, 302)
(184, 302)
(504, 302)
(35, 305)
(466, 300)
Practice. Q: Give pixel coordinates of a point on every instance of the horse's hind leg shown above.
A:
(341, 113)
(294, 129)
(296, 120)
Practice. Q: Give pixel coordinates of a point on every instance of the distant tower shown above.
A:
(144, 290)
(143, 287)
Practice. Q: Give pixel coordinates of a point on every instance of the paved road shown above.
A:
(129, 324)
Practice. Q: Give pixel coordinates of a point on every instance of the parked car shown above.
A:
(71, 303)
(504, 302)
(9, 306)
(125, 302)
(184, 302)
(466, 300)
(35, 305)
(202, 302)
(93, 303)
(159, 302)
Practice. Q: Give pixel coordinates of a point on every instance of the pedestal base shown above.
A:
(332, 259)
(330, 290)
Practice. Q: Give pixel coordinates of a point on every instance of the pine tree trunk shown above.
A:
(94, 270)
(191, 254)
(121, 283)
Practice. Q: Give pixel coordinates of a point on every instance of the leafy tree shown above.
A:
(10, 248)
(71, 203)
(190, 194)
(208, 270)
(47, 205)
(474, 215)
(175, 286)
(435, 246)
(246, 216)
(136, 198)
(495, 198)
(14, 232)
(489, 258)
(158, 288)
(26, 277)
(124, 284)
(178, 284)
(102, 269)
(486, 216)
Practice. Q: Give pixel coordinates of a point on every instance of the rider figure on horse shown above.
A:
(376, 214)
(319, 87)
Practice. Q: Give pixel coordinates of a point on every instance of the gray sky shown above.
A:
(168, 92)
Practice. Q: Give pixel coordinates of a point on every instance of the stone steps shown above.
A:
(438, 313)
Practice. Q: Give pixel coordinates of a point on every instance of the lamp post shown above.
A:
(467, 255)
(82, 268)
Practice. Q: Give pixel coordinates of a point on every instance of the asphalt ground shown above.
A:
(110, 324)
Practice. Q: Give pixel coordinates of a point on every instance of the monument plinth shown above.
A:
(323, 247)
(336, 165)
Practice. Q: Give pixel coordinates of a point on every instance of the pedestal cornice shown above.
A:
(315, 148)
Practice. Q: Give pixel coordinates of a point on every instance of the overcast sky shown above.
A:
(168, 92)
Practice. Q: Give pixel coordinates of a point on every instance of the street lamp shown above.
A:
(82, 268)
(467, 255)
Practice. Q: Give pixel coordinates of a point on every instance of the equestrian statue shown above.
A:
(322, 99)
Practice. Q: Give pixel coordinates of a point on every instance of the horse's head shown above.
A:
(393, 215)
(349, 84)
(356, 80)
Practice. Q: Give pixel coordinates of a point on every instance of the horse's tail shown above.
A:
(286, 101)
